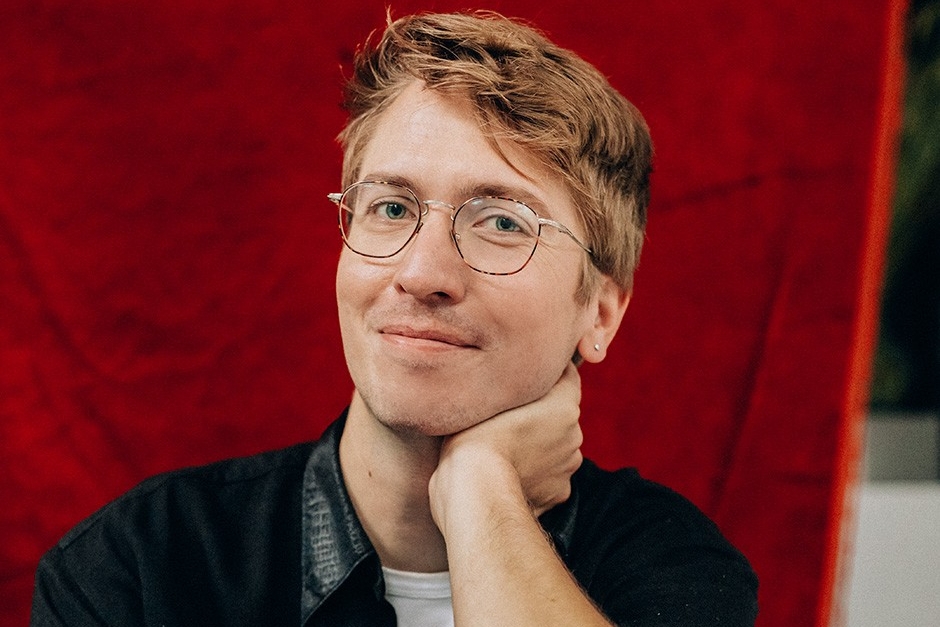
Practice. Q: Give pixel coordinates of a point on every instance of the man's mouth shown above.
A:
(451, 337)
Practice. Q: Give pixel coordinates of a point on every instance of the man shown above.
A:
(492, 214)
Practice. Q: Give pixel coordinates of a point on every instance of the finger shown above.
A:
(570, 382)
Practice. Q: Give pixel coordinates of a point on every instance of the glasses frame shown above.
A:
(337, 198)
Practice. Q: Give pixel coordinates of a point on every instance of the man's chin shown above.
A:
(429, 418)
(429, 426)
(429, 421)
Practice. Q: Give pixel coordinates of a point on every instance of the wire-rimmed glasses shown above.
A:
(493, 235)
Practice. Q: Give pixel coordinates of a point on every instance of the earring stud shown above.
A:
(597, 347)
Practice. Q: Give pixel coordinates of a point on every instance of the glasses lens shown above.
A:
(496, 235)
(378, 219)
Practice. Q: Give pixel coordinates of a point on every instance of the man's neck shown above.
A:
(386, 474)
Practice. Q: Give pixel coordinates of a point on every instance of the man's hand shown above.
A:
(491, 482)
(536, 446)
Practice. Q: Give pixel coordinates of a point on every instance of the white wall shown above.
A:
(895, 566)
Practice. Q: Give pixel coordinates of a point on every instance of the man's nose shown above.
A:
(430, 266)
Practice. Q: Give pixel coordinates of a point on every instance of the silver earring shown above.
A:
(597, 347)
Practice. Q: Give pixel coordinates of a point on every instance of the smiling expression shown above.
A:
(433, 346)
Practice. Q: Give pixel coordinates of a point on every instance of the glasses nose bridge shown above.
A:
(427, 207)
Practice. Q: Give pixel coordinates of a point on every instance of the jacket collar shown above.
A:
(334, 543)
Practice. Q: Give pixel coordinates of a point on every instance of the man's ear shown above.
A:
(609, 304)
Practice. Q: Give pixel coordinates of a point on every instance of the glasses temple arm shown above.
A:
(564, 229)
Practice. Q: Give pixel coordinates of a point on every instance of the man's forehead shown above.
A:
(421, 120)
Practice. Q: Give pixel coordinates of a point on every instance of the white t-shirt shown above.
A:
(419, 599)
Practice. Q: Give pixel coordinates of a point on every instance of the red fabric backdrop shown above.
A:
(167, 253)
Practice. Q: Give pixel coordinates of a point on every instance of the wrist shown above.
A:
(472, 486)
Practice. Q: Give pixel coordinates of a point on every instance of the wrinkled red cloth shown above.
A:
(167, 253)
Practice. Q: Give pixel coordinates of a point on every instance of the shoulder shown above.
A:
(642, 550)
(183, 545)
(178, 494)
(624, 496)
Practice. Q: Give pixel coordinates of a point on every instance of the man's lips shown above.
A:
(430, 334)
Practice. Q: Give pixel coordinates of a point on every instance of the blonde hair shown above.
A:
(533, 93)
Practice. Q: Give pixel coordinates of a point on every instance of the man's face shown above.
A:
(433, 346)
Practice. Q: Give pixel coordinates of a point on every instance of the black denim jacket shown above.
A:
(273, 540)
(342, 576)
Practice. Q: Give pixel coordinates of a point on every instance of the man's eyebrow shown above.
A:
(386, 177)
(470, 190)
(513, 192)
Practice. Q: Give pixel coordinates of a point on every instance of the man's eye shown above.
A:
(392, 210)
(504, 223)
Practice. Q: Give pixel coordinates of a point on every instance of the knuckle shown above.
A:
(578, 437)
(576, 460)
